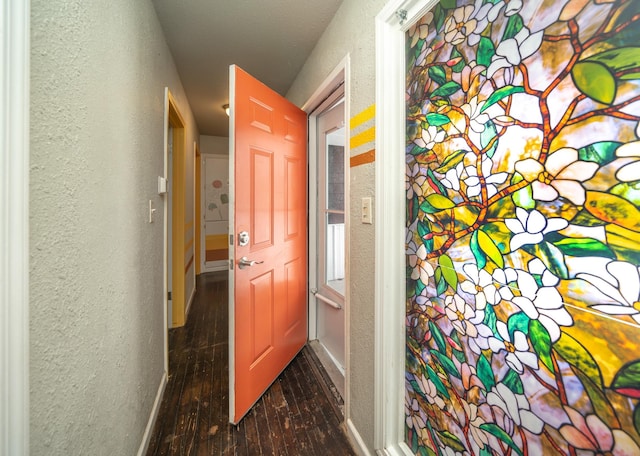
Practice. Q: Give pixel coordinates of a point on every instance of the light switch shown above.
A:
(162, 185)
(367, 211)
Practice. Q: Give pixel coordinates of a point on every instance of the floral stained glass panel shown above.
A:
(523, 228)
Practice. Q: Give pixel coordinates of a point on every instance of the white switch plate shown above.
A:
(162, 185)
(367, 211)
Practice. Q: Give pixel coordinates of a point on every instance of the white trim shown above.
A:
(232, 229)
(166, 245)
(215, 266)
(14, 228)
(390, 292)
(340, 74)
(146, 437)
(357, 440)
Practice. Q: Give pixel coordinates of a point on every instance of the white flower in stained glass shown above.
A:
(491, 181)
(459, 25)
(511, 52)
(530, 227)
(415, 180)
(483, 14)
(430, 391)
(463, 317)
(430, 137)
(481, 285)
(544, 304)
(420, 30)
(516, 407)
(473, 111)
(451, 178)
(504, 277)
(420, 267)
(517, 348)
(561, 175)
(621, 283)
(481, 341)
(513, 7)
(629, 172)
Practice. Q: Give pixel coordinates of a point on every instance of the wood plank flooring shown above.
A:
(294, 417)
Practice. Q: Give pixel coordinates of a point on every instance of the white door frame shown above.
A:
(340, 75)
(390, 295)
(14, 227)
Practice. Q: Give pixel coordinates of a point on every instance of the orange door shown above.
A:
(268, 309)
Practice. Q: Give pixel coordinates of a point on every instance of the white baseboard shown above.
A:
(356, 439)
(146, 437)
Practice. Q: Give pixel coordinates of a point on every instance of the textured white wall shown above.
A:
(353, 31)
(214, 145)
(99, 69)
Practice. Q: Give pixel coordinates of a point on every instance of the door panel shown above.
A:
(268, 310)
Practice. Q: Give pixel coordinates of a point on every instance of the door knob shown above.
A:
(246, 262)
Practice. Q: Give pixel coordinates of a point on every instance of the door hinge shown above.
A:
(169, 296)
(231, 264)
(231, 239)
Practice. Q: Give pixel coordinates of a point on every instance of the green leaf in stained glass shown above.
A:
(500, 434)
(624, 243)
(478, 254)
(524, 197)
(485, 372)
(574, 353)
(448, 4)
(584, 247)
(438, 74)
(446, 364)
(414, 441)
(452, 441)
(513, 381)
(437, 382)
(451, 161)
(601, 152)
(486, 451)
(490, 249)
(434, 182)
(426, 451)
(499, 94)
(448, 271)
(486, 50)
(552, 258)
(440, 202)
(613, 209)
(437, 120)
(514, 26)
(446, 90)
(438, 16)
(490, 131)
(627, 380)
(625, 59)
(595, 80)
(438, 337)
(428, 208)
(541, 343)
(518, 322)
(441, 286)
(584, 218)
(490, 319)
(629, 191)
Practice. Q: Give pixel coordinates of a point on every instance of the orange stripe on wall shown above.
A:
(367, 157)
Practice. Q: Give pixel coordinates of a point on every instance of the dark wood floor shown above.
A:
(294, 417)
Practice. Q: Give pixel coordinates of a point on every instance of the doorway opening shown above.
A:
(328, 152)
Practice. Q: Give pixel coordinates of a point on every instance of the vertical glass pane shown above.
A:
(334, 220)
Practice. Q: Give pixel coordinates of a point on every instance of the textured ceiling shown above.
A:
(270, 39)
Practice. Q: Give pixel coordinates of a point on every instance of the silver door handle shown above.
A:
(246, 262)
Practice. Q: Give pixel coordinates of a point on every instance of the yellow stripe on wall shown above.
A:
(363, 138)
(216, 241)
(362, 117)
